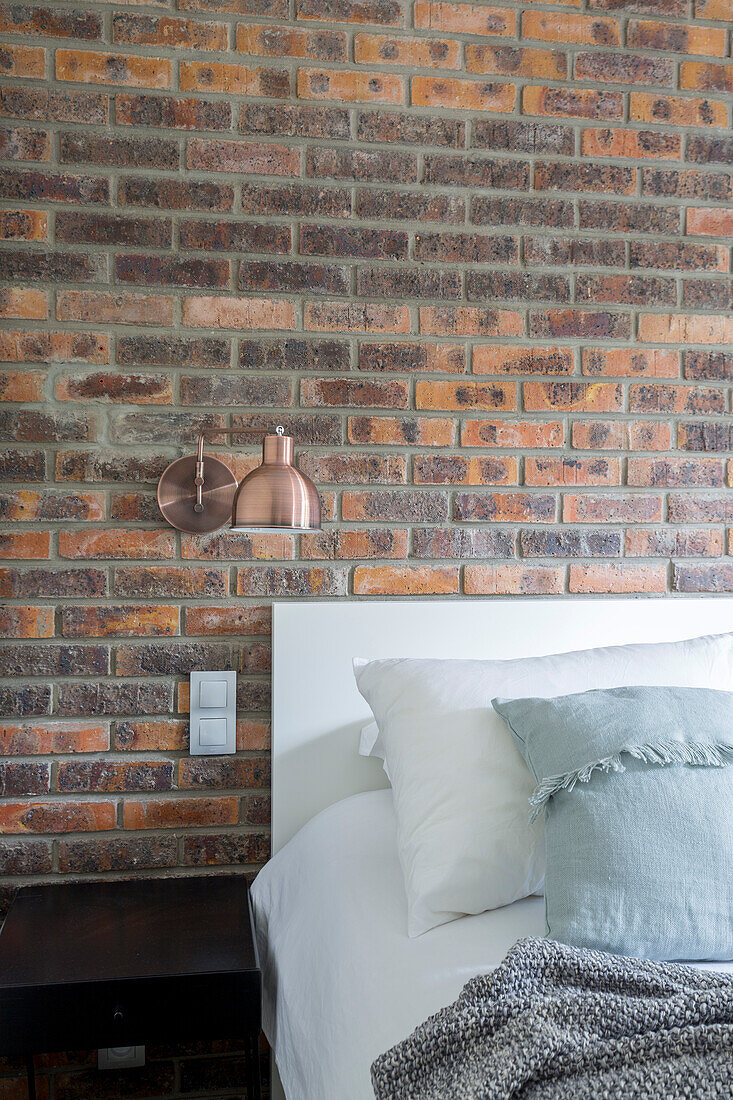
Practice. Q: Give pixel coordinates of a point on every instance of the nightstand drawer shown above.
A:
(129, 1012)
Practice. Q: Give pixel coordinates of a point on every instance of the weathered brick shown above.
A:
(25, 857)
(228, 620)
(522, 137)
(626, 289)
(27, 701)
(623, 508)
(517, 434)
(685, 329)
(698, 508)
(476, 171)
(514, 579)
(22, 465)
(506, 359)
(123, 854)
(703, 578)
(23, 225)
(87, 67)
(147, 30)
(463, 470)
(318, 428)
(630, 362)
(22, 144)
(464, 18)
(56, 817)
(291, 580)
(636, 144)
(559, 543)
(466, 395)
(109, 466)
(678, 256)
(170, 581)
(461, 542)
(172, 112)
(54, 660)
(405, 129)
(349, 544)
(676, 471)
(238, 313)
(237, 546)
(571, 471)
(675, 38)
(22, 385)
(406, 580)
(215, 849)
(53, 187)
(284, 120)
(18, 779)
(445, 358)
(173, 194)
(26, 622)
(624, 68)
(31, 426)
(430, 431)
(400, 506)
(668, 542)
(710, 150)
(136, 389)
(573, 322)
(689, 184)
(677, 110)
(511, 286)
(361, 164)
(348, 317)
(176, 813)
(468, 95)
(510, 61)
(572, 102)
(310, 201)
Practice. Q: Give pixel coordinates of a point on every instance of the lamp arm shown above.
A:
(199, 472)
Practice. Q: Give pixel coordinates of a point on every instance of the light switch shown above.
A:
(213, 713)
(212, 693)
(212, 731)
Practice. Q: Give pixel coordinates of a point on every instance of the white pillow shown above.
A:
(460, 786)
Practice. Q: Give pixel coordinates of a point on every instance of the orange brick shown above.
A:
(630, 363)
(469, 321)
(618, 578)
(676, 110)
(157, 735)
(106, 308)
(513, 580)
(28, 305)
(54, 347)
(467, 95)
(406, 580)
(515, 434)
(56, 817)
(350, 87)
(466, 395)
(26, 544)
(348, 317)
(231, 545)
(510, 61)
(621, 435)
(228, 620)
(23, 225)
(572, 471)
(26, 622)
(587, 30)
(680, 328)
(377, 542)
(218, 76)
(667, 542)
(433, 431)
(252, 735)
(572, 103)
(120, 543)
(87, 67)
(25, 506)
(24, 61)
(573, 396)
(443, 469)
(420, 53)
(270, 41)
(714, 9)
(119, 620)
(634, 144)
(177, 813)
(238, 313)
(710, 221)
(182, 34)
(505, 359)
(17, 385)
(648, 34)
(700, 76)
(47, 738)
(464, 18)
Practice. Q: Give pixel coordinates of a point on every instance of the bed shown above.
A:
(342, 980)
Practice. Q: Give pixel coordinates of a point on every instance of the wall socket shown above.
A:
(120, 1057)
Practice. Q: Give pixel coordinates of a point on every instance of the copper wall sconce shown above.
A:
(198, 493)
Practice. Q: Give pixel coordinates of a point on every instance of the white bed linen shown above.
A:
(342, 980)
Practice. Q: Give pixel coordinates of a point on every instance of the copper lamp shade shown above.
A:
(198, 493)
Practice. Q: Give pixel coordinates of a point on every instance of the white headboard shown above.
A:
(318, 713)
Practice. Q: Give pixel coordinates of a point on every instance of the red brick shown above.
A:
(50, 22)
(573, 103)
(23, 61)
(513, 580)
(704, 76)
(443, 358)
(179, 813)
(218, 76)
(105, 308)
(27, 506)
(406, 580)
(712, 221)
(53, 738)
(56, 817)
(618, 578)
(121, 543)
(464, 470)
(22, 385)
(23, 225)
(510, 61)
(349, 544)
(634, 144)
(160, 735)
(467, 95)
(119, 621)
(573, 396)
(392, 430)
(685, 329)
(28, 305)
(228, 621)
(350, 87)
(621, 435)
(469, 321)
(134, 389)
(186, 34)
(571, 471)
(419, 53)
(26, 622)
(238, 313)
(696, 400)
(27, 544)
(503, 359)
(348, 393)
(272, 41)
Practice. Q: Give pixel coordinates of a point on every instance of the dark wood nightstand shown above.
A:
(110, 964)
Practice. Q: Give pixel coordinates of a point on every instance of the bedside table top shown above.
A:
(143, 928)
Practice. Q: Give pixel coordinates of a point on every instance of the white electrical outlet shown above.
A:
(120, 1057)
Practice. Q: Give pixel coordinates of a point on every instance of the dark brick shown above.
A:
(404, 129)
(708, 293)
(574, 322)
(172, 113)
(22, 465)
(361, 164)
(155, 1079)
(103, 776)
(708, 366)
(412, 357)
(54, 660)
(81, 148)
(45, 105)
(296, 199)
(207, 850)
(144, 270)
(220, 773)
(623, 68)
(461, 542)
(686, 185)
(305, 428)
(79, 267)
(124, 854)
(466, 248)
(674, 255)
(171, 658)
(34, 427)
(710, 150)
(503, 507)
(705, 436)
(545, 212)
(625, 217)
(107, 697)
(570, 544)
(396, 506)
(409, 206)
(505, 286)
(382, 282)
(17, 144)
(559, 251)
(294, 278)
(564, 176)
(230, 389)
(17, 780)
(109, 466)
(288, 355)
(281, 119)
(49, 22)
(25, 701)
(235, 236)
(703, 578)
(53, 582)
(152, 427)
(25, 857)
(476, 171)
(170, 580)
(78, 228)
(523, 137)
(327, 240)
(173, 351)
(51, 187)
(171, 194)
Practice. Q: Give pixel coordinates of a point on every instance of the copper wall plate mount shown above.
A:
(177, 495)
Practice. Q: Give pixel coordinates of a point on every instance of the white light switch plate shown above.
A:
(213, 716)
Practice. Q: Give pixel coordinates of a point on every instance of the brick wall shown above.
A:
(475, 257)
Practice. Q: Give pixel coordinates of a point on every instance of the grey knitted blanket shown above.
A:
(560, 1023)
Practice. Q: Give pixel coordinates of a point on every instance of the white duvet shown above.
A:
(343, 982)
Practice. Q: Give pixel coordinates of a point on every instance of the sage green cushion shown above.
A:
(638, 802)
